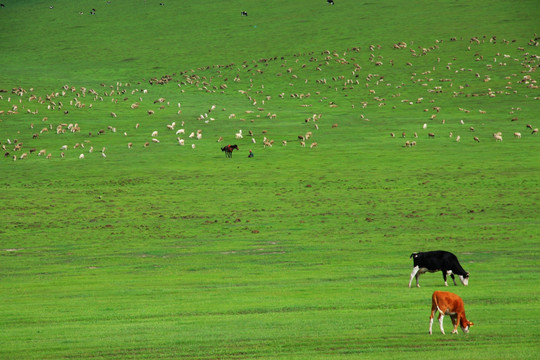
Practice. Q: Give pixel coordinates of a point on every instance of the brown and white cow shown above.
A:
(451, 304)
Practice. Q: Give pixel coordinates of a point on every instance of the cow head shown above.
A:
(465, 326)
(464, 279)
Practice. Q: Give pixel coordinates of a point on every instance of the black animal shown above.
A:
(331, 2)
(229, 149)
(244, 13)
(2, 5)
(433, 261)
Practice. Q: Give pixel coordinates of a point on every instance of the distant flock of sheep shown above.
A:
(55, 101)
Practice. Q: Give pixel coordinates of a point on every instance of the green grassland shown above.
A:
(171, 251)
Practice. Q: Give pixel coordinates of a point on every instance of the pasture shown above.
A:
(151, 247)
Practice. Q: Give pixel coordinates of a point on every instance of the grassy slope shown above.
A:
(297, 253)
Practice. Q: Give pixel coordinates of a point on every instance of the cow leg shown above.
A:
(413, 274)
(433, 308)
(455, 323)
(453, 278)
(441, 318)
(444, 277)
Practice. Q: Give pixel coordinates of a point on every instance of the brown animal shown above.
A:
(451, 304)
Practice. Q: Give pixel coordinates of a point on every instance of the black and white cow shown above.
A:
(433, 261)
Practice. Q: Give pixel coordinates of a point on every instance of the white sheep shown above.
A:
(180, 131)
(518, 135)
(81, 156)
(155, 133)
(180, 141)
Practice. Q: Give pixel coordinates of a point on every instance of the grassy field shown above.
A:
(302, 252)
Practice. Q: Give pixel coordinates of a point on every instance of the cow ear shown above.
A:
(470, 323)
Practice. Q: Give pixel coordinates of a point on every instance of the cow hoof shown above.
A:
(417, 285)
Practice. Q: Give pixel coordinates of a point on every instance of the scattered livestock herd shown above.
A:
(27, 107)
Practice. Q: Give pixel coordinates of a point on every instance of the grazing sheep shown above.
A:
(193, 146)
(155, 133)
(303, 144)
(146, 144)
(284, 142)
(42, 152)
(313, 144)
(431, 135)
(180, 141)
(535, 131)
(130, 145)
(155, 140)
(518, 135)
(81, 156)
(180, 131)
(458, 138)
(476, 139)
(498, 136)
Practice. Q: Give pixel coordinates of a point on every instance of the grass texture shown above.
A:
(301, 252)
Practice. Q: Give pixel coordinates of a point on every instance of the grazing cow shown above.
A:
(331, 2)
(244, 13)
(434, 261)
(451, 304)
(229, 149)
